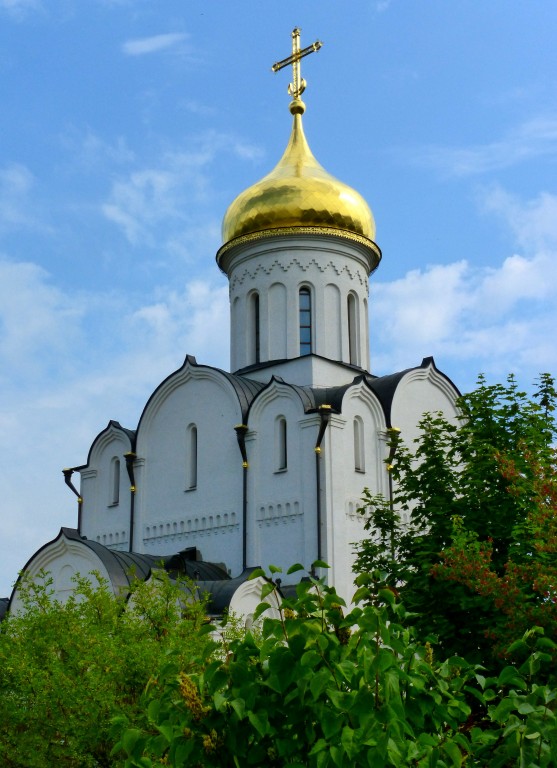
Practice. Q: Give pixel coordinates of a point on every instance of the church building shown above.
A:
(265, 464)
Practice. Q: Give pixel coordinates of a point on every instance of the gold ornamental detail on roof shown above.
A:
(298, 192)
(316, 231)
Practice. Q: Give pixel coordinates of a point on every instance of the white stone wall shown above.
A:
(281, 501)
(171, 516)
(276, 268)
(104, 517)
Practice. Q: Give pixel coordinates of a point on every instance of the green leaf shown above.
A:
(310, 659)
(387, 595)
(319, 682)
(239, 707)
(510, 676)
(182, 751)
(294, 568)
(260, 722)
(130, 740)
(166, 730)
(319, 564)
(275, 569)
(453, 752)
(261, 608)
(153, 710)
(267, 589)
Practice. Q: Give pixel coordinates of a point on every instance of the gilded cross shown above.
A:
(298, 84)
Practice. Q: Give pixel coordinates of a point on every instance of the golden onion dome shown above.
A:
(298, 192)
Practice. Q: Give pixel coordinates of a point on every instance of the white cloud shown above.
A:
(197, 108)
(92, 151)
(70, 363)
(144, 198)
(143, 45)
(491, 318)
(534, 138)
(19, 8)
(170, 190)
(16, 182)
(533, 223)
(37, 321)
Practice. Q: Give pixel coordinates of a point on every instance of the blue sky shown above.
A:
(128, 126)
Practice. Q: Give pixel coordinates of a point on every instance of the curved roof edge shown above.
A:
(112, 425)
(245, 388)
(305, 394)
(125, 567)
(385, 386)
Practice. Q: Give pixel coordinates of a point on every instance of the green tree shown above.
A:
(472, 501)
(523, 593)
(67, 669)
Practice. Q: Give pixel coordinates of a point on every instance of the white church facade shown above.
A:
(265, 465)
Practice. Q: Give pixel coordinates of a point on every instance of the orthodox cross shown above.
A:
(298, 84)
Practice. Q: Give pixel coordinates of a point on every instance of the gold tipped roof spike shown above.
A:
(298, 195)
(298, 84)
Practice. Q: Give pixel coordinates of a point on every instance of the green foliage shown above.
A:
(483, 486)
(326, 689)
(67, 669)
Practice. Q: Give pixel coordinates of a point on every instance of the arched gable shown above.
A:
(301, 398)
(247, 597)
(185, 499)
(105, 511)
(70, 555)
(357, 398)
(114, 432)
(421, 390)
(234, 389)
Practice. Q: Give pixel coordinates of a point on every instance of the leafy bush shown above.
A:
(67, 669)
(322, 689)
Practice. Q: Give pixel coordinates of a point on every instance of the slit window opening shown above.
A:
(305, 321)
(281, 444)
(255, 328)
(353, 330)
(115, 482)
(191, 458)
(359, 455)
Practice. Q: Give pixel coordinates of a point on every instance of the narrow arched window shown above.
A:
(305, 321)
(114, 491)
(281, 444)
(359, 445)
(353, 341)
(191, 457)
(254, 328)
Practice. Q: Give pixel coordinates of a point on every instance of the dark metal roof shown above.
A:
(220, 593)
(124, 568)
(385, 386)
(198, 570)
(4, 601)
